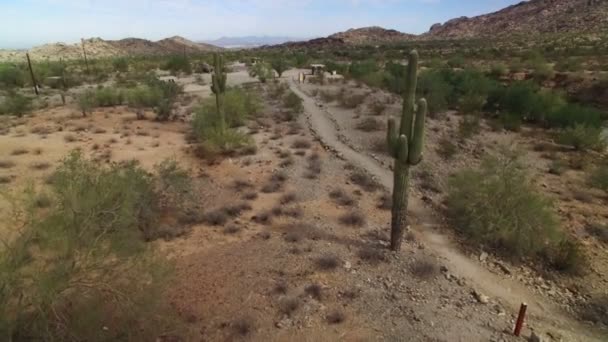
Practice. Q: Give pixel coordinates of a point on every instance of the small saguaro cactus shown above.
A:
(406, 147)
(218, 87)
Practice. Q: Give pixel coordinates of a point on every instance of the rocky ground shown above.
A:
(305, 255)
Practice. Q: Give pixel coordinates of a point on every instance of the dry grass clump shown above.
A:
(327, 262)
(353, 218)
(364, 180)
(240, 185)
(424, 268)
(6, 164)
(250, 196)
(242, 327)
(263, 217)
(335, 317)
(215, 217)
(275, 183)
(289, 305)
(314, 291)
(314, 166)
(385, 201)
(370, 125)
(69, 138)
(280, 287)
(40, 166)
(371, 255)
(288, 198)
(340, 197)
(301, 144)
(231, 229)
(293, 237)
(19, 151)
(99, 130)
(5, 179)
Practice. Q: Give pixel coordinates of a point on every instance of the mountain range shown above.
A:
(250, 41)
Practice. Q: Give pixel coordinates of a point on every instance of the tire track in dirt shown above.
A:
(547, 316)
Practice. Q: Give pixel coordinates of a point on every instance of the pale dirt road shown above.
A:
(546, 316)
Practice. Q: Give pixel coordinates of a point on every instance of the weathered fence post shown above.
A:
(29, 64)
(84, 52)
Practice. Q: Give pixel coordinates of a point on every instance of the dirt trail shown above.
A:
(546, 316)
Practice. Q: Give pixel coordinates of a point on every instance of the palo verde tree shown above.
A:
(218, 87)
(279, 65)
(406, 147)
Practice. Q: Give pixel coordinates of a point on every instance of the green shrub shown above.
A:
(360, 69)
(472, 103)
(510, 121)
(456, 62)
(86, 101)
(262, 71)
(206, 128)
(572, 114)
(599, 177)
(108, 97)
(90, 252)
(435, 89)
(16, 104)
(497, 205)
(279, 65)
(144, 96)
(582, 138)
(294, 104)
(12, 76)
(120, 64)
(543, 72)
(499, 70)
(352, 101)
(566, 256)
(469, 126)
(177, 64)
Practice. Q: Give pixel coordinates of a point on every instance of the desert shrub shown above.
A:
(497, 205)
(294, 104)
(469, 126)
(572, 64)
(360, 69)
(572, 114)
(107, 97)
(86, 101)
(435, 89)
(566, 256)
(16, 104)
(262, 71)
(278, 90)
(510, 121)
(206, 128)
(456, 61)
(599, 176)
(12, 76)
(328, 96)
(364, 180)
(177, 64)
(582, 137)
(120, 64)
(424, 268)
(239, 105)
(498, 70)
(370, 125)
(328, 262)
(335, 317)
(279, 65)
(352, 101)
(90, 253)
(472, 103)
(341, 197)
(377, 108)
(352, 218)
(542, 72)
(447, 149)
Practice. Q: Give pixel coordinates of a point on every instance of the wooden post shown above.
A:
(64, 84)
(29, 64)
(84, 52)
(520, 319)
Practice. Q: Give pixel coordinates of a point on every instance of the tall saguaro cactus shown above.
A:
(406, 147)
(219, 87)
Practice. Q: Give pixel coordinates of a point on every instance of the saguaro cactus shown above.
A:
(406, 147)
(219, 87)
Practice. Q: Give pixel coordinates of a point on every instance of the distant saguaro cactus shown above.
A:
(218, 87)
(406, 147)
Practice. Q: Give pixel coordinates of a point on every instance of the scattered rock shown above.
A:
(483, 257)
(480, 297)
(536, 338)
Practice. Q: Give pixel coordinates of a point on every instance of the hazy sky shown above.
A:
(24, 23)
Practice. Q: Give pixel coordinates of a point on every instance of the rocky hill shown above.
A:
(99, 48)
(529, 17)
(372, 35)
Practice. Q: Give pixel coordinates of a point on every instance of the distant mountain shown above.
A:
(529, 18)
(372, 35)
(99, 48)
(250, 41)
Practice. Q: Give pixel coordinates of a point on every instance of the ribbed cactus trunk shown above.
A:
(406, 147)
(219, 87)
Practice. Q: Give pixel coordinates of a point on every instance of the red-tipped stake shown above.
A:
(520, 319)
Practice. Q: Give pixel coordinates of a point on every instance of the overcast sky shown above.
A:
(24, 23)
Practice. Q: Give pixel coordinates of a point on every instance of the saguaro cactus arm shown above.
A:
(417, 140)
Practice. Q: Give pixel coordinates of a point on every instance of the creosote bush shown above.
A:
(90, 252)
(497, 205)
(582, 137)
